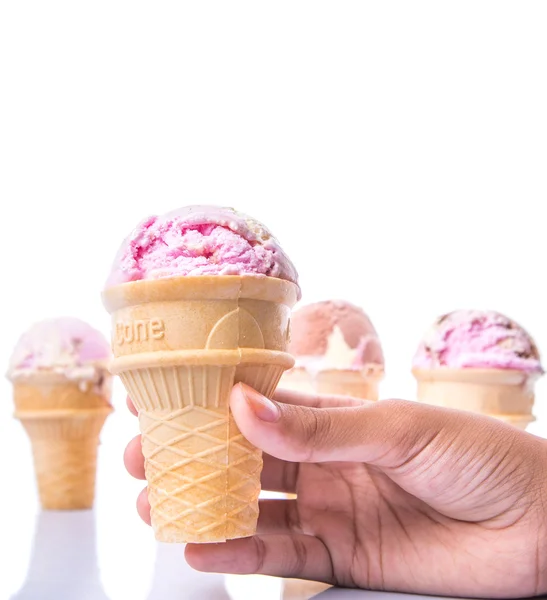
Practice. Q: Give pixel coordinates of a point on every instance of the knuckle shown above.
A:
(298, 556)
(260, 554)
(314, 426)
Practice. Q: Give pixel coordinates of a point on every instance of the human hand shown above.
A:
(392, 495)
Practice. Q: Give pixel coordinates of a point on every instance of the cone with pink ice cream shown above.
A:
(200, 300)
(336, 350)
(62, 392)
(479, 361)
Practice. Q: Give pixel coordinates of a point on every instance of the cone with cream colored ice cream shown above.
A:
(336, 350)
(62, 394)
(479, 361)
(200, 299)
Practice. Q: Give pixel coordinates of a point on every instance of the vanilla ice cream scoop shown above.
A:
(66, 346)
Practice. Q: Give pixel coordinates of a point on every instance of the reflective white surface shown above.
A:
(107, 553)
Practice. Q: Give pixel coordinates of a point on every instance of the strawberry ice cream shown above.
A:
(200, 240)
(66, 346)
(477, 339)
(334, 334)
(480, 362)
(61, 392)
(336, 350)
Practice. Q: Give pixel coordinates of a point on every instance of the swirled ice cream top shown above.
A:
(200, 240)
(334, 334)
(64, 345)
(477, 339)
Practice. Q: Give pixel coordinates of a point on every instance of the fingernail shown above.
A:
(263, 408)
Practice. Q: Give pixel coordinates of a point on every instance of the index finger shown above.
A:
(317, 400)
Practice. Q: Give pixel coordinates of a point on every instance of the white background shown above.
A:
(398, 150)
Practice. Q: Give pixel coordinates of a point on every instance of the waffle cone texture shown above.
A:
(63, 420)
(180, 345)
(504, 394)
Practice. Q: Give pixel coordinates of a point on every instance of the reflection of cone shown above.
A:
(504, 394)
(63, 420)
(63, 563)
(300, 589)
(180, 345)
(175, 579)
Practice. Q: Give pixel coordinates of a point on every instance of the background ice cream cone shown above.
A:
(63, 420)
(480, 361)
(501, 393)
(64, 448)
(337, 351)
(302, 589)
(349, 382)
(61, 392)
(298, 379)
(54, 391)
(180, 345)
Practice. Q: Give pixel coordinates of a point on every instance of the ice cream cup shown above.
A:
(505, 394)
(179, 346)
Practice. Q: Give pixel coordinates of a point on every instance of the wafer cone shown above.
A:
(505, 394)
(362, 383)
(180, 345)
(63, 420)
(297, 379)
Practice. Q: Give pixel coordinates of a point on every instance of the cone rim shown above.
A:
(30, 415)
(371, 371)
(475, 375)
(56, 376)
(201, 287)
(173, 358)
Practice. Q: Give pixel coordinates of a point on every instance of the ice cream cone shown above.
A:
(64, 447)
(43, 391)
(501, 393)
(361, 383)
(297, 379)
(63, 420)
(180, 344)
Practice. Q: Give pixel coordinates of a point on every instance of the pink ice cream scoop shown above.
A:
(200, 240)
(64, 345)
(477, 339)
(334, 334)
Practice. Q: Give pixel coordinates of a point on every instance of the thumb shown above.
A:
(464, 465)
(389, 434)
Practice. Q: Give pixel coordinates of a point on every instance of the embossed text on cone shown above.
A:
(180, 344)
